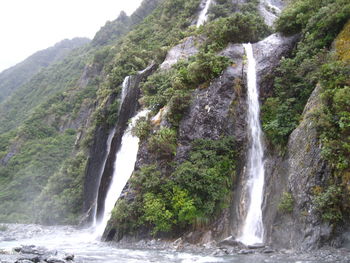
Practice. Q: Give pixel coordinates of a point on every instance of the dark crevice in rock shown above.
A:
(128, 109)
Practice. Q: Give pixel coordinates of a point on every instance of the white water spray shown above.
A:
(203, 16)
(123, 168)
(253, 229)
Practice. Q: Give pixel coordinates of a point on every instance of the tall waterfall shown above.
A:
(108, 147)
(123, 168)
(203, 16)
(253, 229)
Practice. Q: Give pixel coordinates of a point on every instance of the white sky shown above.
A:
(27, 26)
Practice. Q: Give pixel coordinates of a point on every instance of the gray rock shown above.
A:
(256, 246)
(182, 51)
(245, 251)
(268, 251)
(216, 111)
(268, 53)
(303, 170)
(55, 260)
(220, 253)
(270, 10)
(7, 239)
(32, 258)
(97, 186)
(69, 257)
(230, 241)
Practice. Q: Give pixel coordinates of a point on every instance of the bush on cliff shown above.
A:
(197, 190)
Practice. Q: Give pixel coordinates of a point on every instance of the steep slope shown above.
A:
(12, 78)
(308, 153)
(195, 126)
(46, 127)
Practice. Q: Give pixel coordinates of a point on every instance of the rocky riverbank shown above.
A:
(65, 244)
(231, 248)
(32, 253)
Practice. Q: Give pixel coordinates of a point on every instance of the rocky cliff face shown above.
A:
(99, 173)
(299, 172)
(216, 111)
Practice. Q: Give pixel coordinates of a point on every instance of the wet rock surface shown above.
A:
(270, 10)
(128, 108)
(220, 110)
(238, 252)
(299, 172)
(268, 54)
(32, 253)
(181, 51)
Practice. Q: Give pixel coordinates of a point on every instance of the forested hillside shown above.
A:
(14, 77)
(42, 123)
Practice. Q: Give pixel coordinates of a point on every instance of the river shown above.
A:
(86, 248)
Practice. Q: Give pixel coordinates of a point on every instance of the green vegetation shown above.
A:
(237, 28)
(286, 203)
(27, 172)
(198, 190)
(164, 143)
(62, 196)
(334, 119)
(13, 78)
(174, 87)
(318, 22)
(48, 124)
(328, 203)
(3, 228)
(44, 165)
(142, 128)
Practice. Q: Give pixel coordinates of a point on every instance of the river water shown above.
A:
(85, 247)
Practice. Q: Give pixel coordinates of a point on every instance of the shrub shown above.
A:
(208, 174)
(147, 179)
(156, 213)
(190, 196)
(163, 143)
(158, 90)
(328, 203)
(319, 22)
(238, 28)
(178, 104)
(286, 203)
(142, 128)
(183, 206)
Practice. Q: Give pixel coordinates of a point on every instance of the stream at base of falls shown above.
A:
(87, 249)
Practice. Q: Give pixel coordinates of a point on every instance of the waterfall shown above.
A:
(125, 89)
(253, 229)
(203, 16)
(125, 86)
(123, 168)
(108, 147)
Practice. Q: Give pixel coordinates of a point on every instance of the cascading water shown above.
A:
(123, 168)
(203, 16)
(253, 229)
(125, 88)
(108, 147)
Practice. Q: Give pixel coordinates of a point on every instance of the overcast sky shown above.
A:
(27, 26)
